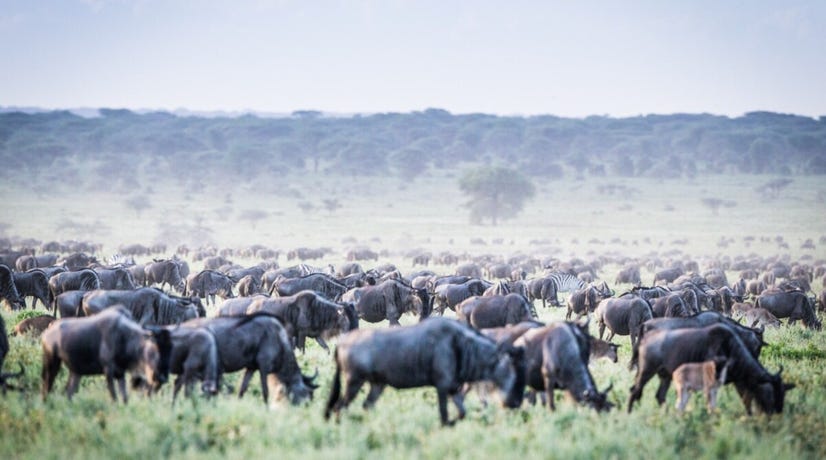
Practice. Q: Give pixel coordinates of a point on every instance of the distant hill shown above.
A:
(121, 143)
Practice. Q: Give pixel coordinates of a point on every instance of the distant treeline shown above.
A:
(407, 144)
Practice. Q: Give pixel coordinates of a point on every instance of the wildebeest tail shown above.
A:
(335, 389)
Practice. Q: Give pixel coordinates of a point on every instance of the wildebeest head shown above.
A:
(348, 310)
(598, 399)
(509, 374)
(427, 305)
(301, 389)
(153, 367)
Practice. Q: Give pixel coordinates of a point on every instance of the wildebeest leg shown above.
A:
(682, 398)
(245, 382)
(110, 385)
(711, 398)
(443, 406)
(373, 395)
(549, 390)
(351, 390)
(178, 382)
(320, 341)
(122, 386)
(74, 380)
(601, 329)
(459, 401)
(643, 376)
(745, 395)
(51, 366)
(665, 382)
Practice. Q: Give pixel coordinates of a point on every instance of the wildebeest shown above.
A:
(248, 285)
(238, 306)
(622, 316)
(629, 274)
(661, 352)
(82, 280)
(389, 300)
(148, 306)
(565, 356)
(494, 311)
(27, 262)
(670, 306)
(793, 305)
(109, 343)
(760, 317)
(33, 283)
(4, 350)
(206, 284)
(449, 295)
(703, 377)
(668, 275)
(308, 314)
(164, 272)
(454, 354)
(603, 349)
(34, 326)
(325, 285)
(194, 356)
(69, 304)
(115, 278)
(77, 261)
(260, 343)
(585, 300)
(8, 290)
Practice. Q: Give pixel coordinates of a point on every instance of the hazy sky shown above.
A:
(567, 58)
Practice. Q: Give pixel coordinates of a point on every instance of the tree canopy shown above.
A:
(496, 193)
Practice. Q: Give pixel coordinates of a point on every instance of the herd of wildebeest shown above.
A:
(690, 324)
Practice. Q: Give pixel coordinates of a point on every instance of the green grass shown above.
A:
(574, 218)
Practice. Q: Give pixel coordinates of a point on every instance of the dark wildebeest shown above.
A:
(206, 284)
(576, 336)
(8, 290)
(77, 261)
(565, 366)
(115, 278)
(83, 280)
(821, 301)
(33, 283)
(585, 301)
(237, 273)
(34, 326)
(260, 343)
(194, 356)
(248, 286)
(148, 306)
(69, 304)
(668, 275)
(138, 272)
(27, 262)
(308, 314)
(494, 311)
(164, 272)
(793, 305)
(623, 316)
(238, 305)
(389, 300)
(325, 285)
(542, 288)
(629, 274)
(455, 354)
(663, 351)
(670, 306)
(109, 343)
(450, 295)
(760, 317)
(603, 349)
(4, 350)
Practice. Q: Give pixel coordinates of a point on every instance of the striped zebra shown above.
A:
(548, 286)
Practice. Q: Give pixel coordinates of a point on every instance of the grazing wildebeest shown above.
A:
(8, 290)
(138, 272)
(206, 284)
(603, 349)
(109, 343)
(449, 295)
(260, 343)
(27, 262)
(308, 314)
(34, 326)
(33, 283)
(248, 286)
(629, 274)
(584, 301)
(670, 306)
(565, 357)
(164, 272)
(793, 305)
(77, 261)
(325, 285)
(194, 356)
(622, 316)
(703, 377)
(4, 350)
(238, 306)
(668, 275)
(69, 304)
(494, 311)
(455, 354)
(389, 300)
(148, 306)
(661, 352)
(115, 278)
(82, 280)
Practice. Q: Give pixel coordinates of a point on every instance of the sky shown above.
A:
(564, 58)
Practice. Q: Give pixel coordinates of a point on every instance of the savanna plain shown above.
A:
(590, 219)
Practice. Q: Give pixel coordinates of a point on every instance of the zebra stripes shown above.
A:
(565, 282)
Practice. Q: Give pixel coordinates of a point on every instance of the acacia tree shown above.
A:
(495, 193)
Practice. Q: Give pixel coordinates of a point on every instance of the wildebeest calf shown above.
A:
(696, 377)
